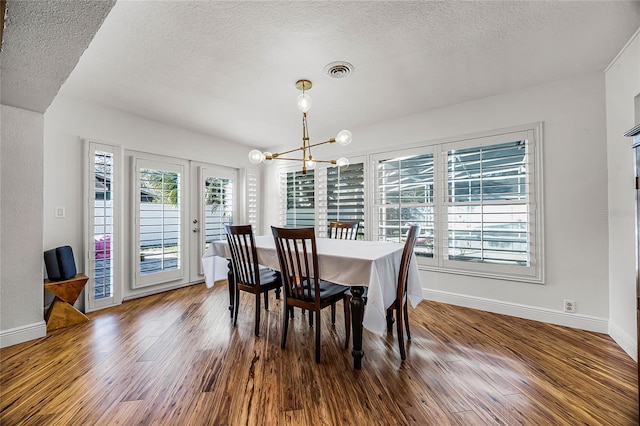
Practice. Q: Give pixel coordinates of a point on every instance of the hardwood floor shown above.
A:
(175, 359)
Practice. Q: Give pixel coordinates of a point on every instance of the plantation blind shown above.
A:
(404, 195)
(345, 194)
(300, 199)
(487, 205)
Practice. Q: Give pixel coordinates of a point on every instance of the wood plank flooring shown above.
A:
(175, 359)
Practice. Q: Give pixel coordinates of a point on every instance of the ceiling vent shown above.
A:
(338, 69)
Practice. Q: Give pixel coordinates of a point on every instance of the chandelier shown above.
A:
(308, 162)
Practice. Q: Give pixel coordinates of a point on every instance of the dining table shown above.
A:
(354, 263)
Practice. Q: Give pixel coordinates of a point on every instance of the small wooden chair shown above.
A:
(248, 275)
(344, 229)
(400, 304)
(298, 260)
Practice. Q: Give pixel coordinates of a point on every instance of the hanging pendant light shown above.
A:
(303, 101)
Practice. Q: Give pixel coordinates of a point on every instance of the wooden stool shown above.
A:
(61, 313)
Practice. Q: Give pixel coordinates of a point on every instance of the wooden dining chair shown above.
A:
(400, 304)
(298, 260)
(247, 274)
(344, 229)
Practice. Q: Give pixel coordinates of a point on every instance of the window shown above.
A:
(103, 195)
(345, 194)
(300, 198)
(404, 196)
(475, 199)
(487, 204)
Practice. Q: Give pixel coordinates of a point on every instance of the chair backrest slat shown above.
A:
(298, 260)
(344, 229)
(407, 252)
(244, 257)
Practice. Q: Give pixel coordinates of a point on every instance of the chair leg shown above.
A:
(317, 335)
(236, 305)
(406, 320)
(399, 320)
(285, 324)
(310, 318)
(347, 320)
(257, 324)
(266, 300)
(278, 293)
(333, 313)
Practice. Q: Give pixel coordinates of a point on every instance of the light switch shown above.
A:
(61, 211)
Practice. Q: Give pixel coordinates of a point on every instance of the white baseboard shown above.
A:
(626, 342)
(22, 334)
(583, 322)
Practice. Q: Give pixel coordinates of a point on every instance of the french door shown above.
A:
(160, 227)
(149, 224)
(214, 204)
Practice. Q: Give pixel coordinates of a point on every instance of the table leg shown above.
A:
(357, 311)
(232, 290)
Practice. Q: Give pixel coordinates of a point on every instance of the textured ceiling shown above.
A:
(42, 43)
(228, 69)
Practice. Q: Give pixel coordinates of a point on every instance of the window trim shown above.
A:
(90, 146)
(532, 274)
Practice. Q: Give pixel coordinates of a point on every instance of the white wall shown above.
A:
(67, 122)
(575, 197)
(21, 258)
(622, 85)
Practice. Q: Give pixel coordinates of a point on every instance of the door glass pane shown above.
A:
(159, 221)
(218, 207)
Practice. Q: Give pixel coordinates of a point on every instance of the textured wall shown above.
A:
(21, 195)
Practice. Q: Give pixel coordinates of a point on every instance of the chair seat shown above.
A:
(327, 290)
(268, 276)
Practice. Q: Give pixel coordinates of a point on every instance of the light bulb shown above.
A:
(304, 102)
(267, 156)
(255, 156)
(344, 137)
(342, 162)
(310, 164)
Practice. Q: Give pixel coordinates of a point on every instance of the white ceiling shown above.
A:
(228, 68)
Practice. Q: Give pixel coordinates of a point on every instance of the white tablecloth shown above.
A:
(373, 264)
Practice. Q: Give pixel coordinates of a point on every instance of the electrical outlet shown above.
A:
(569, 306)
